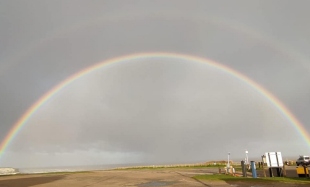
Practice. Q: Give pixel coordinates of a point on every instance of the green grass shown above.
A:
(229, 178)
(172, 167)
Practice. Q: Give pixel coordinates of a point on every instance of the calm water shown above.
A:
(71, 168)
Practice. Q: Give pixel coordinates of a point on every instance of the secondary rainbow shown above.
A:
(276, 102)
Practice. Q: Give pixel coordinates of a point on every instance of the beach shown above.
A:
(131, 177)
(147, 177)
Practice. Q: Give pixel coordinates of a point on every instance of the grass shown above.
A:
(172, 167)
(229, 178)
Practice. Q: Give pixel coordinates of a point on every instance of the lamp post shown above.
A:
(228, 160)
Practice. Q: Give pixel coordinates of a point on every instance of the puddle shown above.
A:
(155, 183)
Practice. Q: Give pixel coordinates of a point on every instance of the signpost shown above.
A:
(274, 160)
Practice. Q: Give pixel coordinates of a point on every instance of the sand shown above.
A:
(140, 178)
(133, 177)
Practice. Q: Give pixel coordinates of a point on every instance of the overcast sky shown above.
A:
(152, 110)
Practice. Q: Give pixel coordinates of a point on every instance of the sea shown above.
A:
(80, 168)
(71, 168)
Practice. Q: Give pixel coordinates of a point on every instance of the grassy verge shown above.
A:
(172, 167)
(229, 178)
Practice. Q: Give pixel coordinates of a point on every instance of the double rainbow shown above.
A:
(276, 102)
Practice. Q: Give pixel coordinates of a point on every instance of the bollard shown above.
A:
(220, 170)
(284, 171)
(254, 175)
(263, 169)
(243, 167)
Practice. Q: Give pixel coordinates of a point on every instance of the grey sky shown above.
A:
(151, 110)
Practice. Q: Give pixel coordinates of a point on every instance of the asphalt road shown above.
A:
(290, 172)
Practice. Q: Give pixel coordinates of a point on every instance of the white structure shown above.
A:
(274, 159)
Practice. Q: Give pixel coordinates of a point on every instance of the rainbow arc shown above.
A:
(275, 101)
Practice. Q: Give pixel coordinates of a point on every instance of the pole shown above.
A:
(246, 157)
(228, 165)
(263, 165)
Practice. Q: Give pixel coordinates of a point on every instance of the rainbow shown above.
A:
(276, 102)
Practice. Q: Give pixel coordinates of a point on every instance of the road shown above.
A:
(290, 172)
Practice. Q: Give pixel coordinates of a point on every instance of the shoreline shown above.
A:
(83, 168)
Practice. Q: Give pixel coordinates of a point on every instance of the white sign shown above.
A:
(274, 159)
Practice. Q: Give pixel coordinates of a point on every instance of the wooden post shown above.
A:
(284, 171)
(263, 165)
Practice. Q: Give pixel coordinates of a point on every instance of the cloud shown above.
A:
(159, 108)
(157, 111)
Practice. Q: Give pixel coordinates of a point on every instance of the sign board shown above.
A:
(274, 159)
